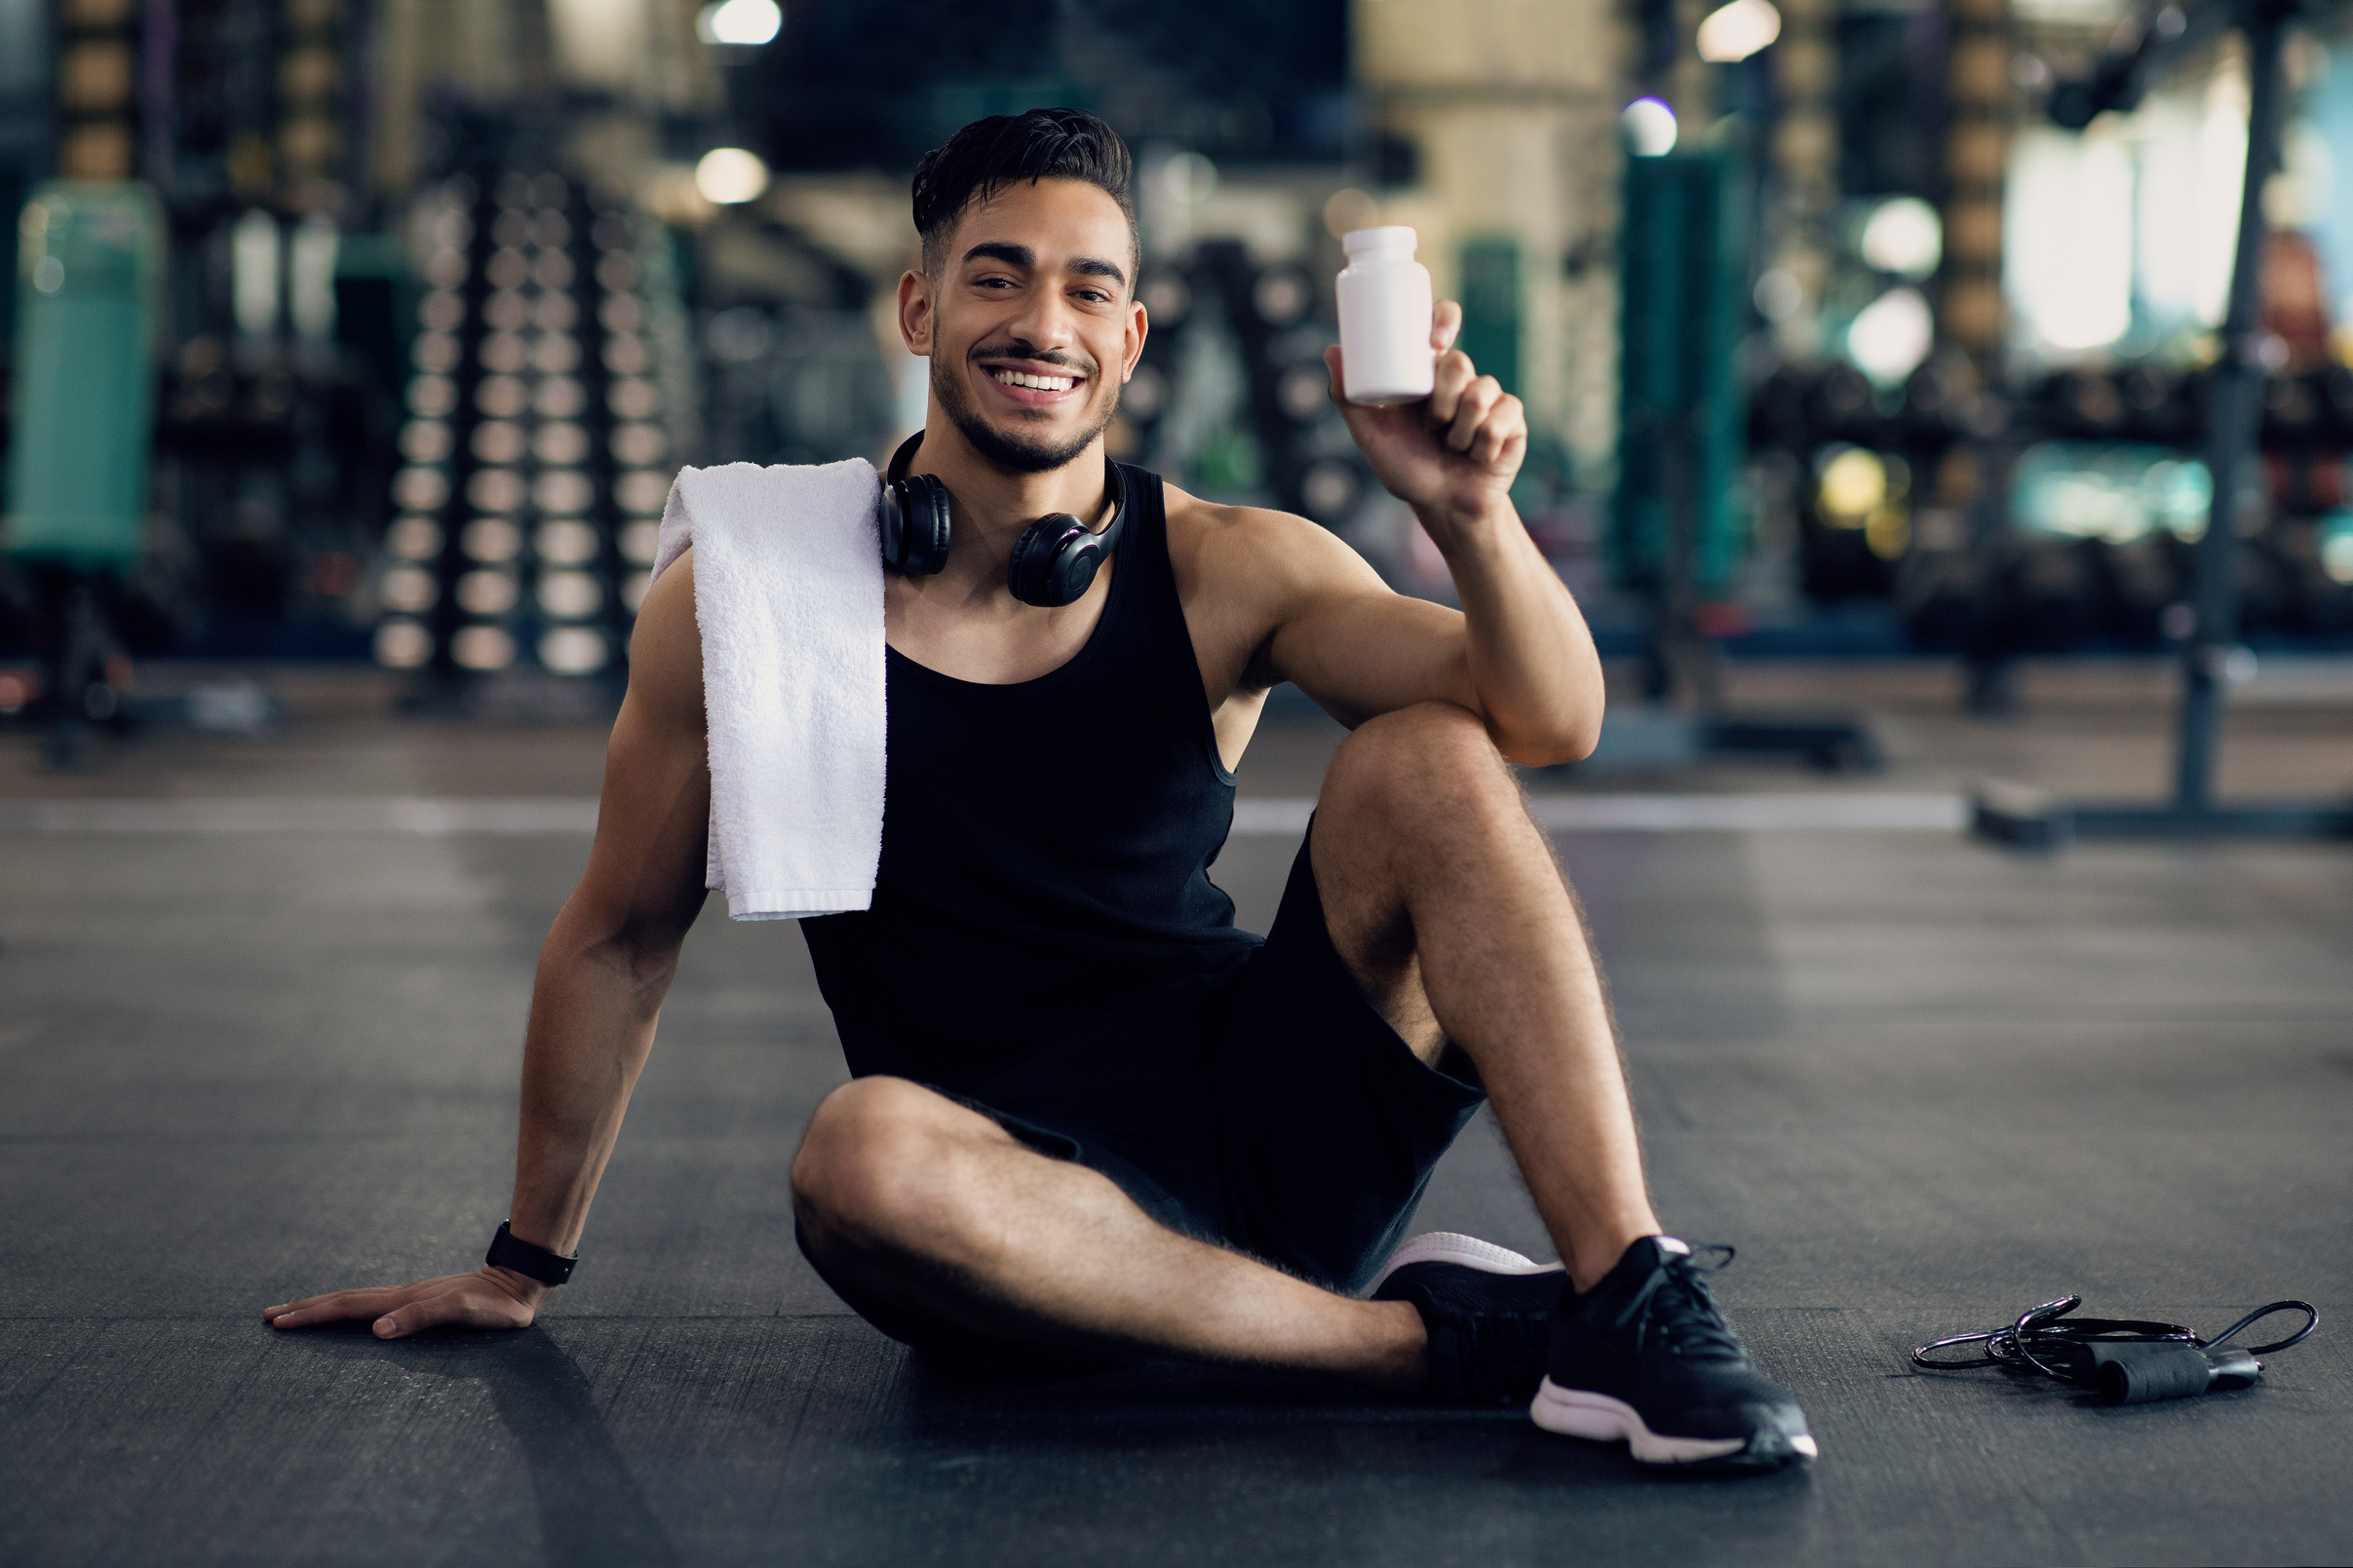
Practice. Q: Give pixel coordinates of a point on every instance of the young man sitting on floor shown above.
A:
(1088, 1114)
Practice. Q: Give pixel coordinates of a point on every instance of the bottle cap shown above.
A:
(1399, 238)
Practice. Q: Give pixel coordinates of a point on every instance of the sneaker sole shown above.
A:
(1449, 1246)
(1582, 1413)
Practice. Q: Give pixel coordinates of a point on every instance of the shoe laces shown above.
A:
(1673, 1309)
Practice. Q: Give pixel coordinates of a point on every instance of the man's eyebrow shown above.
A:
(1021, 255)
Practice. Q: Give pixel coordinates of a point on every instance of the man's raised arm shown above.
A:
(1519, 655)
(603, 972)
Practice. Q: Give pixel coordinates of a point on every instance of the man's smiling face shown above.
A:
(1035, 324)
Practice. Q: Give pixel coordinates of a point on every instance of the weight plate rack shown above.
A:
(550, 380)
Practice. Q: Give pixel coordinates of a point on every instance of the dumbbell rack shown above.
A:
(550, 379)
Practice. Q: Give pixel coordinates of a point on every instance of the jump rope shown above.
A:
(2122, 1360)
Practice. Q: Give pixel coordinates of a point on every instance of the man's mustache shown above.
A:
(1018, 350)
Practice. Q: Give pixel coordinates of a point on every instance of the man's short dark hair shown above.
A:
(1004, 149)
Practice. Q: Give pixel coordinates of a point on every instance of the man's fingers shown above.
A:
(1449, 380)
(1445, 324)
(1477, 400)
(1506, 423)
(396, 1312)
(1500, 451)
(336, 1306)
(469, 1301)
(402, 1321)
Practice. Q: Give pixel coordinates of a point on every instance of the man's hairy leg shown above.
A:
(939, 1227)
(1444, 900)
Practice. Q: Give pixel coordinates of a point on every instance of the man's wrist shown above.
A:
(527, 1259)
(1459, 529)
(521, 1286)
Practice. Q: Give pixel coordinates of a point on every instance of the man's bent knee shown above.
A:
(1403, 765)
(873, 1161)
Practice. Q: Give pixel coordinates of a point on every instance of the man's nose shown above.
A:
(1043, 322)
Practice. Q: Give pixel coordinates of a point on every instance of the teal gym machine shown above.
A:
(82, 414)
(1676, 536)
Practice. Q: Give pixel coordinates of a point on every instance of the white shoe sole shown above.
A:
(1449, 1246)
(1581, 1413)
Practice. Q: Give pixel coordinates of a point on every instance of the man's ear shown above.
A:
(1139, 326)
(916, 304)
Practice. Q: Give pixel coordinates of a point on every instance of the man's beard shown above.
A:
(1008, 454)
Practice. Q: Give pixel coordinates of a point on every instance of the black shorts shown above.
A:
(1269, 1108)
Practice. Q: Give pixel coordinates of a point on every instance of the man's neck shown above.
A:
(992, 508)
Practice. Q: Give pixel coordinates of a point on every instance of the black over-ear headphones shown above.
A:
(1053, 562)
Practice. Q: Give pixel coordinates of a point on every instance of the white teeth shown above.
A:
(1041, 383)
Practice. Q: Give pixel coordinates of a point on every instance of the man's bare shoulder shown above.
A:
(1257, 550)
(666, 649)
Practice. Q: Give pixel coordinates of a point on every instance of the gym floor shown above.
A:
(1921, 1085)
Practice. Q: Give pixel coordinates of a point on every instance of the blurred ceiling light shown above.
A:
(1904, 236)
(1779, 295)
(1738, 30)
(1191, 178)
(1891, 336)
(1649, 126)
(1854, 484)
(728, 176)
(739, 21)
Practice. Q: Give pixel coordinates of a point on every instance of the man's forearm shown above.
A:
(594, 1007)
(1531, 656)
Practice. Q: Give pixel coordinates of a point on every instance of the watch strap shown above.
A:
(511, 1251)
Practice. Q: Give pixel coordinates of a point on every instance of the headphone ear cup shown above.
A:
(893, 527)
(914, 525)
(1038, 571)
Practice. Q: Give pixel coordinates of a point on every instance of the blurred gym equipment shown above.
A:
(2211, 653)
(1673, 535)
(78, 457)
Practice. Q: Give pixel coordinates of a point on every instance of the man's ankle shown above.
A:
(1598, 1251)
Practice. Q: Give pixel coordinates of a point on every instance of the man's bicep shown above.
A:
(645, 872)
(1359, 648)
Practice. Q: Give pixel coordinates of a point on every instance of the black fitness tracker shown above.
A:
(511, 1251)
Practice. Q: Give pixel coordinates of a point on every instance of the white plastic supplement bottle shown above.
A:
(1384, 298)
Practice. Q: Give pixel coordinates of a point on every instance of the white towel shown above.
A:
(788, 589)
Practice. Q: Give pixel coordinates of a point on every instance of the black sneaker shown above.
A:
(1644, 1355)
(1488, 1312)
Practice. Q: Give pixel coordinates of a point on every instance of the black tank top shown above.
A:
(1046, 845)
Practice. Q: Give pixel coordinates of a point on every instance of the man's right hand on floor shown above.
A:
(487, 1298)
